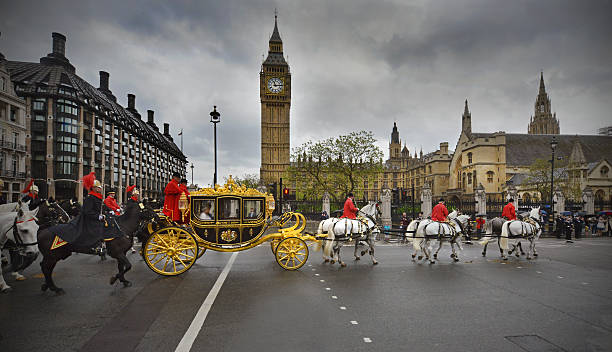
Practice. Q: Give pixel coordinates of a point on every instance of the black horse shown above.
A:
(134, 218)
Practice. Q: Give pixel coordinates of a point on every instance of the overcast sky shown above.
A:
(356, 65)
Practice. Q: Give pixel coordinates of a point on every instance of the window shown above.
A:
(39, 117)
(67, 107)
(39, 104)
(469, 178)
(67, 124)
(490, 176)
(2, 84)
(254, 208)
(430, 169)
(13, 114)
(469, 155)
(604, 171)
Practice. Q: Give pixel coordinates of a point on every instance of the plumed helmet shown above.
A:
(130, 188)
(97, 183)
(34, 188)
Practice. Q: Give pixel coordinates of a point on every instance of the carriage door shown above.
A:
(229, 213)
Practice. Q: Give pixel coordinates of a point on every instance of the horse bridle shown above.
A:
(18, 241)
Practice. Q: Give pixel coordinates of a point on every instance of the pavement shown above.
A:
(561, 301)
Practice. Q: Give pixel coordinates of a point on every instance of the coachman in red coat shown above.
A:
(110, 203)
(509, 211)
(171, 200)
(439, 212)
(350, 210)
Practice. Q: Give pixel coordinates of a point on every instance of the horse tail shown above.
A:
(503, 243)
(489, 227)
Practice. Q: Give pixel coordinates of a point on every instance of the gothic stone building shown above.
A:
(74, 128)
(496, 160)
(275, 95)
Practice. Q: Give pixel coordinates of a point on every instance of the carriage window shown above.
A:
(204, 209)
(230, 208)
(253, 208)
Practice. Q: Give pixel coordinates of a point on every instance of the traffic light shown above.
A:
(285, 191)
(272, 189)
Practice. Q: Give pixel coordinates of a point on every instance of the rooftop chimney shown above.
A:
(166, 129)
(57, 56)
(444, 148)
(104, 80)
(59, 44)
(131, 101)
(150, 120)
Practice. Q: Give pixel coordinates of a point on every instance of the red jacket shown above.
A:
(480, 222)
(171, 200)
(509, 212)
(350, 211)
(439, 212)
(111, 203)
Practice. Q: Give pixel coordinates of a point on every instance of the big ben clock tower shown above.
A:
(275, 94)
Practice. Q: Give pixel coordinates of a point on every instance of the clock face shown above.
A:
(275, 85)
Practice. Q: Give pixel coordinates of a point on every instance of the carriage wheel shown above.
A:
(291, 253)
(171, 251)
(273, 244)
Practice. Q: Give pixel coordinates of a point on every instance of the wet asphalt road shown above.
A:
(561, 301)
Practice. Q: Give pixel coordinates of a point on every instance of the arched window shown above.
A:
(463, 180)
(604, 171)
(490, 175)
(469, 158)
(469, 178)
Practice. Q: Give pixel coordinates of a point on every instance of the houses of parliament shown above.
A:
(492, 161)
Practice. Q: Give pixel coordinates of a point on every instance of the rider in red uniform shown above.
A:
(111, 203)
(439, 212)
(350, 211)
(509, 212)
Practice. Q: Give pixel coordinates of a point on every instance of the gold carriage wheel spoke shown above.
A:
(283, 258)
(157, 246)
(159, 260)
(160, 238)
(185, 255)
(282, 251)
(293, 260)
(182, 262)
(174, 264)
(185, 246)
(155, 252)
(166, 263)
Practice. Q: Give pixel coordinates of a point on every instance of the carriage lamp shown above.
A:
(215, 118)
(183, 205)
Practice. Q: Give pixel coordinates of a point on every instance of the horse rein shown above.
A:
(18, 241)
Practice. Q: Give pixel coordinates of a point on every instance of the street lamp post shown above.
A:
(192, 173)
(215, 118)
(553, 146)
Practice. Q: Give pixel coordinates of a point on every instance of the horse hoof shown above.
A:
(375, 263)
(535, 254)
(528, 258)
(453, 255)
(456, 259)
(326, 261)
(343, 265)
(357, 258)
(484, 254)
(113, 279)
(333, 262)
(60, 291)
(19, 277)
(363, 253)
(44, 287)
(435, 256)
(505, 258)
(420, 257)
(432, 262)
(6, 289)
(413, 256)
(127, 284)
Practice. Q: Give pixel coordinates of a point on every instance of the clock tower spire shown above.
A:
(543, 121)
(275, 96)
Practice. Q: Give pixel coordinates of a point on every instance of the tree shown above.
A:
(248, 180)
(539, 176)
(336, 165)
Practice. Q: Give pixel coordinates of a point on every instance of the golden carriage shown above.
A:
(226, 219)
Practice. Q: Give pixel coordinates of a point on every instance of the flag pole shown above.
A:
(181, 140)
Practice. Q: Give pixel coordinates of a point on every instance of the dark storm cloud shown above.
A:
(356, 65)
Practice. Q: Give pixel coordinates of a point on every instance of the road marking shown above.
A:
(322, 280)
(367, 340)
(334, 297)
(519, 267)
(313, 269)
(343, 308)
(354, 322)
(327, 289)
(559, 277)
(539, 272)
(317, 274)
(309, 264)
(585, 283)
(198, 321)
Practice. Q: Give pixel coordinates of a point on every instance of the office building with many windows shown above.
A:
(74, 128)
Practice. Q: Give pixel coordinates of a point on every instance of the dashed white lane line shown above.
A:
(539, 272)
(367, 340)
(585, 283)
(317, 274)
(343, 308)
(322, 280)
(327, 289)
(559, 277)
(354, 322)
(334, 297)
(197, 323)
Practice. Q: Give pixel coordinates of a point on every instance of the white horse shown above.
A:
(13, 207)
(418, 239)
(434, 230)
(516, 229)
(363, 229)
(21, 228)
(460, 223)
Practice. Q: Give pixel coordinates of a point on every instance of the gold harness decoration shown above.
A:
(228, 235)
(57, 242)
